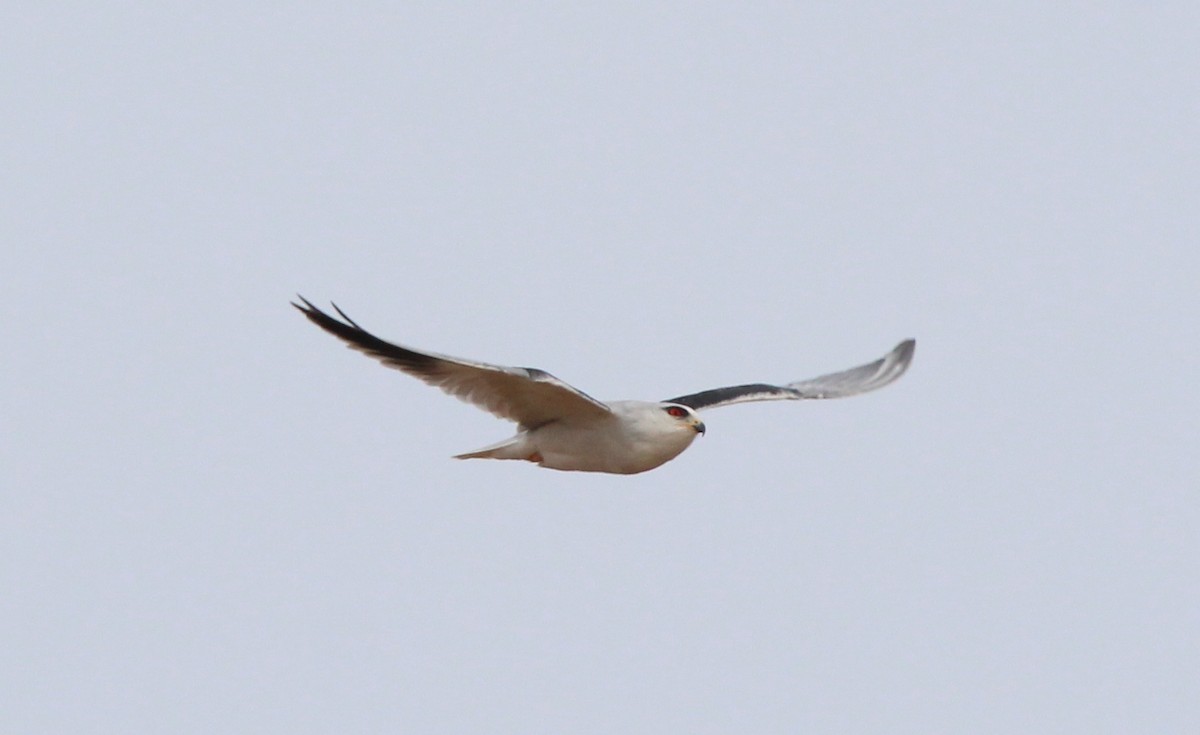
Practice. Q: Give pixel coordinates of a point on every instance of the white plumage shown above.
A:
(563, 428)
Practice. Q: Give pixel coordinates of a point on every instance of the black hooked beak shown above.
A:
(699, 427)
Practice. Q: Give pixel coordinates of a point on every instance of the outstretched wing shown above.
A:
(528, 396)
(834, 385)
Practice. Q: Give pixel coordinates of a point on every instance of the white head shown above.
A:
(659, 419)
(684, 416)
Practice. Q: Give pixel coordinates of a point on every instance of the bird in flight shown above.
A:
(562, 428)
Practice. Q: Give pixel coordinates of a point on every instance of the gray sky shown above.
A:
(216, 519)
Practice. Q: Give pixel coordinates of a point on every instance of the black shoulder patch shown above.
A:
(722, 395)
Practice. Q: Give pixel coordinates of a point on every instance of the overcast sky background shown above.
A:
(217, 519)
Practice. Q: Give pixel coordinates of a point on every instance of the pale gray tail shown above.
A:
(511, 448)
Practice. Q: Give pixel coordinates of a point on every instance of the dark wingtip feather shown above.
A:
(307, 304)
(360, 339)
(349, 321)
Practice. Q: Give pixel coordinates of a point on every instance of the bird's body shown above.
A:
(637, 436)
(563, 428)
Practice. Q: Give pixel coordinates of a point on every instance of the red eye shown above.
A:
(676, 411)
